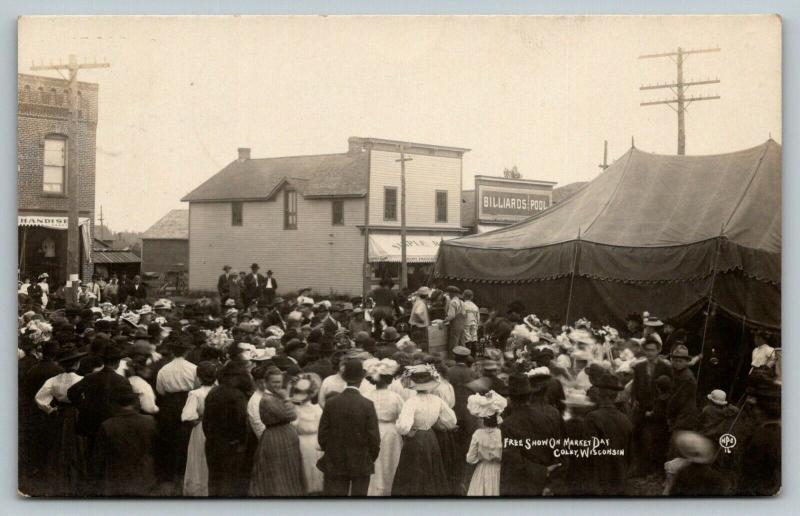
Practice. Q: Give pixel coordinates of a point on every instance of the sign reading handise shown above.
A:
(512, 203)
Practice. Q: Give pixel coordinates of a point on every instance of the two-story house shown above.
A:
(42, 186)
(328, 222)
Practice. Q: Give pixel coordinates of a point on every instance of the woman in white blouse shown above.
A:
(420, 471)
(64, 465)
(195, 479)
(388, 405)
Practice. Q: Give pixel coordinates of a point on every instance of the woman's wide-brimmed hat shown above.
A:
(422, 377)
(718, 397)
(305, 386)
(486, 405)
(695, 447)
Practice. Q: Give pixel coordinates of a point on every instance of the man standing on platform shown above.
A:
(270, 287)
(224, 285)
(253, 286)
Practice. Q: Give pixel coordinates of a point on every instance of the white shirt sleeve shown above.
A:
(254, 416)
(406, 418)
(147, 398)
(447, 418)
(45, 396)
(160, 382)
(189, 412)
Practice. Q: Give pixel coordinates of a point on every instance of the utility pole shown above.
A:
(679, 89)
(102, 226)
(73, 168)
(403, 261)
(604, 164)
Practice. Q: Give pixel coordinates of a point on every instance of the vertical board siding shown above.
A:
(424, 175)
(317, 254)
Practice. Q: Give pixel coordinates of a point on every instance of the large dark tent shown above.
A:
(652, 232)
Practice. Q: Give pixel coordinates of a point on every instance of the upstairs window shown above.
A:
(55, 165)
(390, 203)
(337, 215)
(237, 216)
(289, 209)
(441, 206)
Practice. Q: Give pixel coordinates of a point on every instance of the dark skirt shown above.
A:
(452, 460)
(66, 467)
(278, 465)
(173, 438)
(420, 471)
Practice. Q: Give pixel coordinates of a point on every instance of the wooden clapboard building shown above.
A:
(330, 222)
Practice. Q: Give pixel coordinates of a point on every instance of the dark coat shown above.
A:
(323, 367)
(461, 374)
(224, 285)
(609, 471)
(699, 480)
(760, 473)
(349, 436)
(251, 290)
(274, 283)
(682, 404)
(225, 414)
(644, 387)
(137, 291)
(91, 397)
(523, 470)
(226, 429)
(274, 318)
(123, 455)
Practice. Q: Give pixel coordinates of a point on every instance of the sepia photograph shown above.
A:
(399, 256)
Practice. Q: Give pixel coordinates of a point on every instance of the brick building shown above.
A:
(42, 189)
(165, 244)
(328, 222)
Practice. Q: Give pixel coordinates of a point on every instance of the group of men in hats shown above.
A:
(246, 288)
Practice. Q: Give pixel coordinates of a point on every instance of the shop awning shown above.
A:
(419, 249)
(60, 223)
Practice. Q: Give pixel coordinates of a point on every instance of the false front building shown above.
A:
(43, 192)
(328, 222)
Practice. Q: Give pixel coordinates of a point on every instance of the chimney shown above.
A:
(355, 145)
(244, 153)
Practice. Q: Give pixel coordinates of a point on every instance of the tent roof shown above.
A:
(651, 200)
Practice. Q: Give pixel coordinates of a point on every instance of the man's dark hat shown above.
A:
(606, 380)
(353, 371)
(293, 345)
(185, 341)
(123, 394)
(263, 303)
(255, 266)
(226, 268)
(110, 354)
(519, 385)
(68, 355)
(278, 300)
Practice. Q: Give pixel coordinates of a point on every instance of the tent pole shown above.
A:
(572, 277)
(710, 302)
(742, 356)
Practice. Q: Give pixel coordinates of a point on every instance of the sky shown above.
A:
(541, 93)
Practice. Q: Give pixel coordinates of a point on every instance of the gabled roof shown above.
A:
(172, 226)
(324, 175)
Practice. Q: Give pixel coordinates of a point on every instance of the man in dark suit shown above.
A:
(253, 286)
(643, 394)
(138, 290)
(92, 397)
(123, 456)
(349, 436)
(525, 468)
(274, 317)
(225, 427)
(270, 287)
(224, 285)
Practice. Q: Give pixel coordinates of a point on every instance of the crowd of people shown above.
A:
(253, 394)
